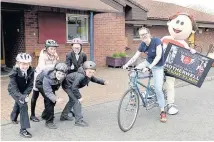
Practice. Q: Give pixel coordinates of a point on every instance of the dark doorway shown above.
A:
(13, 35)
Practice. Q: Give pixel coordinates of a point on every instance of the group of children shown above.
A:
(46, 79)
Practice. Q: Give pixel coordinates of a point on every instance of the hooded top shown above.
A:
(77, 80)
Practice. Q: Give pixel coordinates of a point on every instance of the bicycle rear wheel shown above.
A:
(128, 110)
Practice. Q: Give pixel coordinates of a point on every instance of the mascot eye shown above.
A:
(178, 21)
(182, 23)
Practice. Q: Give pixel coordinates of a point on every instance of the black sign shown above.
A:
(182, 64)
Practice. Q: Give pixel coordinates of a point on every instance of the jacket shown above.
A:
(46, 61)
(76, 80)
(71, 60)
(47, 82)
(19, 85)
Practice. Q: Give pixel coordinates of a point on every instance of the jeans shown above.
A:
(158, 78)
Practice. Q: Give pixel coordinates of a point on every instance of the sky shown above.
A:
(204, 5)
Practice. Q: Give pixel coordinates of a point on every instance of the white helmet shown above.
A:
(24, 57)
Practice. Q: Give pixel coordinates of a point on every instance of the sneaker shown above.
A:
(163, 117)
(171, 109)
(24, 133)
(15, 122)
(81, 123)
(51, 125)
(68, 118)
(34, 119)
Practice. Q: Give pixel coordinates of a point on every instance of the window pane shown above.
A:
(136, 34)
(78, 27)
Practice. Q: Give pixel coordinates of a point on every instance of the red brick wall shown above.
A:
(156, 31)
(203, 40)
(32, 31)
(109, 36)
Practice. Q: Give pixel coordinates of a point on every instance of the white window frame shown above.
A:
(87, 25)
(134, 38)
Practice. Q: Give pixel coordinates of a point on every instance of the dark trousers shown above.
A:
(23, 110)
(76, 105)
(33, 102)
(48, 113)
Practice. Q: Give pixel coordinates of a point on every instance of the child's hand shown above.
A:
(59, 100)
(193, 51)
(81, 100)
(27, 99)
(106, 82)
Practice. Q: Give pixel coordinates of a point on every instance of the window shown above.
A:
(77, 27)
(136, 35)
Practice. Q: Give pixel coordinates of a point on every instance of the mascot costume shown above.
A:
(180, 27)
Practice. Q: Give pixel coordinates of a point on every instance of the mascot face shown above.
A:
(180, 27)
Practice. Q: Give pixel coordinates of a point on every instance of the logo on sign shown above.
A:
(187, 60)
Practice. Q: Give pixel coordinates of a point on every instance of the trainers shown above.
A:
(163, 116)
(81, 123)
(51, 125)
(68, 118)
(171, 109)
(34, 119)
(15, 122)
(24, 133)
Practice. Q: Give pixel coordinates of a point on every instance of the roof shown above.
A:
(162, 10)
(90, 5)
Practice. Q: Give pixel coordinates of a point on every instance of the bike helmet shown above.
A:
(76, 41)
(61, 67)
(24, 57)
(51, 43)
(89, 65)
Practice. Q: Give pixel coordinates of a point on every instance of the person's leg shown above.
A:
(170, 90)
(158, 77)
(77, 110)
(66, 110)
(48, 113)
(24, 118)
(15, 113)
(33, 105)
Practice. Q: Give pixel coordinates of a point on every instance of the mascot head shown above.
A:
(181, 26)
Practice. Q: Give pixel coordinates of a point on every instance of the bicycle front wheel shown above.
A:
(128, 110)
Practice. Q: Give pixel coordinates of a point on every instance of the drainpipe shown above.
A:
(91, 36)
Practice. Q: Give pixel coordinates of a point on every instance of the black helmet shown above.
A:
(61, 67)
(51, 43)
(89, 65)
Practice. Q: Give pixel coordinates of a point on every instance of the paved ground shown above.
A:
(118, 82)
(194, 121)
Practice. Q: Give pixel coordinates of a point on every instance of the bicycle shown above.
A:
(133, 94)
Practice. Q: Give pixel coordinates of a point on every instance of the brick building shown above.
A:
(105, 26)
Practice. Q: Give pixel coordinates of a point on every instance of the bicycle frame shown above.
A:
(134, 83)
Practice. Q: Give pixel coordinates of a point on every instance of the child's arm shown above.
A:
(48, 90)
(30, 85)
(68, 60)
(14, 90)
(84, 58)
(71, 83)
(97, 80)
